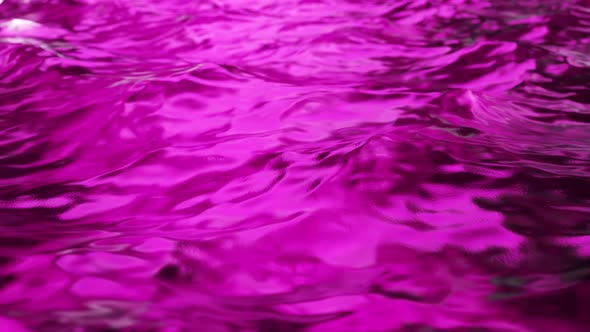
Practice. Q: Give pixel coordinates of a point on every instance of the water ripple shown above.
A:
(297, 165)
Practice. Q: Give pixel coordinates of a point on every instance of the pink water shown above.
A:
(294, 166)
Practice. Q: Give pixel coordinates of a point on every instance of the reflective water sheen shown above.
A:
(294, 165)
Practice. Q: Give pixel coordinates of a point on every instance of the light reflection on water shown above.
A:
(297, 165)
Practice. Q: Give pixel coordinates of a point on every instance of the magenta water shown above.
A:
(294, 166)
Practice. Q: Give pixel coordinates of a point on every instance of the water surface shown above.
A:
(294, 166)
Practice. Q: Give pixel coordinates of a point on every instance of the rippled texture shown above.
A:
(294, 166)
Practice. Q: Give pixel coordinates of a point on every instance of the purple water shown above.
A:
(294, 166)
